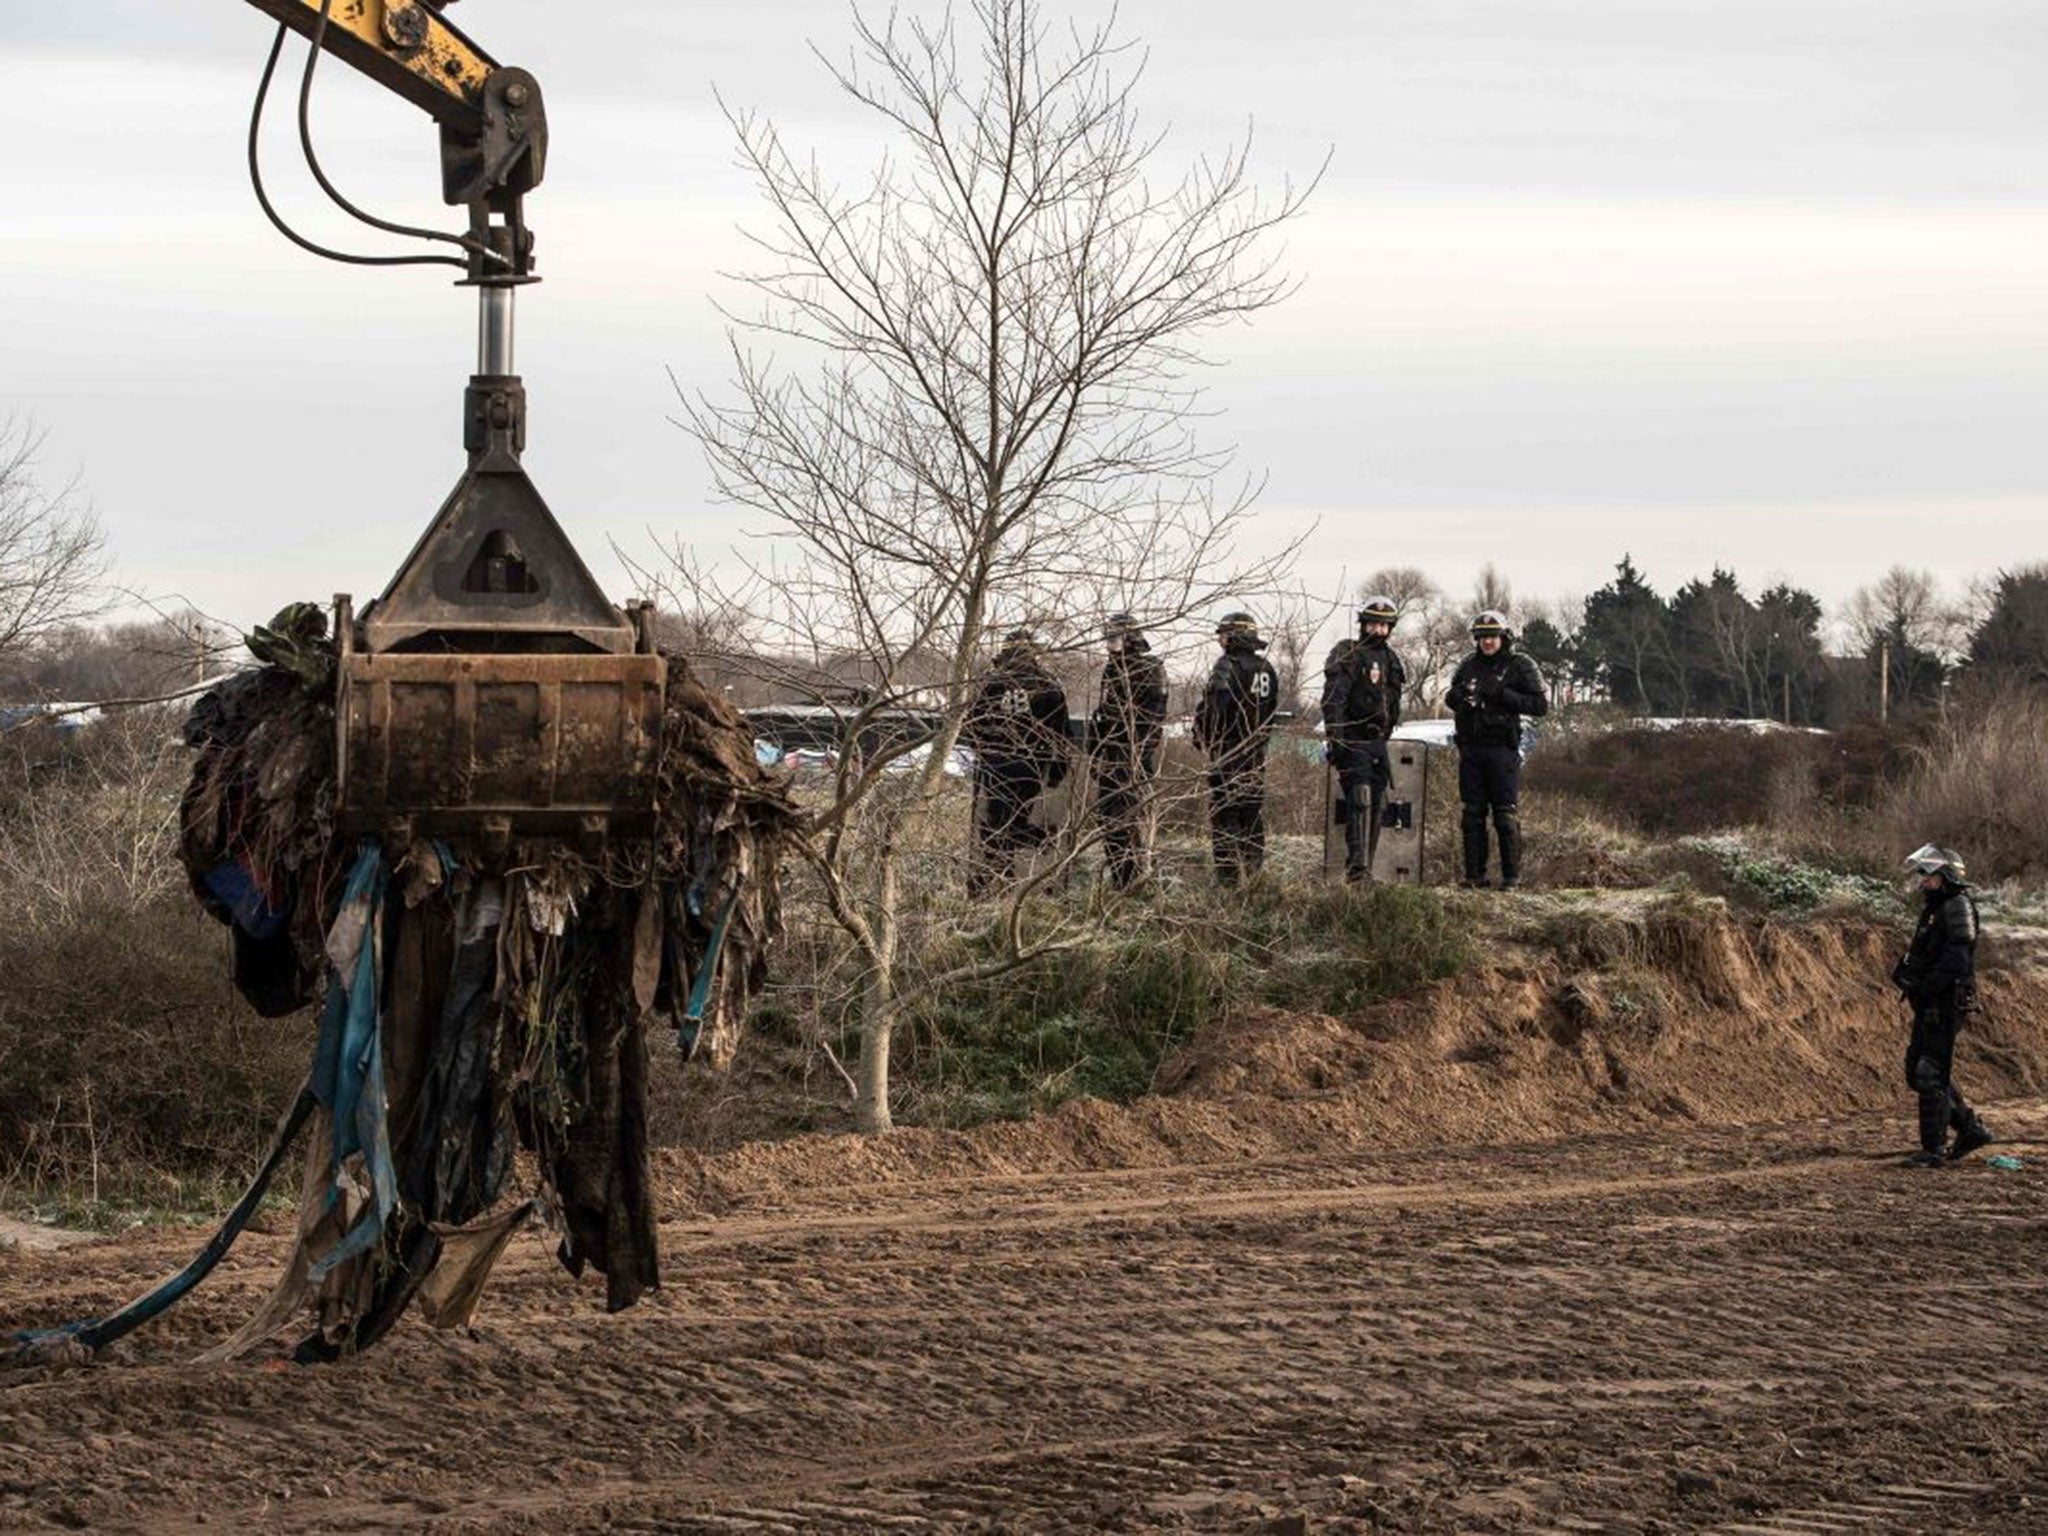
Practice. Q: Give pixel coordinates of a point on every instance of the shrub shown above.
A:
(128, 1067)
(1099, 1020)
(1785, 884)
(1978, 785)
(1689, 779)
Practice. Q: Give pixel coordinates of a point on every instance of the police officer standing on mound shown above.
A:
(1233, 723)
(1017, 730)
(1938, 977)
(1492, 692)
(1130, 715)
(1362, 684)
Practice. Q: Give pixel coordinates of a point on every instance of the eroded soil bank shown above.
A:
(1625, 1011)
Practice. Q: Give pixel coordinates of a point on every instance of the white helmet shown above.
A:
(1928, 859)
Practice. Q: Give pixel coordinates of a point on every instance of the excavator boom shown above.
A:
(494, 128)
(403, 45)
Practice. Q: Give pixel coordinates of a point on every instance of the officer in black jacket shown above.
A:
(1017, 730)
(1938, 978)
(1233, 723)
(1362, 684)
(1130, 714)
(1491, 693)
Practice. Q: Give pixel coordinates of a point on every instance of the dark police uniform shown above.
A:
(1017, 729)
(1938, 978)
(1489, 697)
(1233, 723)
(1362, 685)
(1129, 718)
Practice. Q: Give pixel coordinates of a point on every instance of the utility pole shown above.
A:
(1884, 682)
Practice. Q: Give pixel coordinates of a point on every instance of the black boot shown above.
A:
(1971, 1133)
(1351, 817)
(1475, 845)
(1507, 821)
(1933, 1122)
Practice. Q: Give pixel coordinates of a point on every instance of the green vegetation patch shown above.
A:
(1099, 1019)
(1784, 884)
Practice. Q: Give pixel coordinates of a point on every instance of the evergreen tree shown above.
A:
(1624, 643)
(2011, 643)
(1792, 665)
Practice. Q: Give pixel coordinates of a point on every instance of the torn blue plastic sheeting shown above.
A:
(348, 1063)
(2002, 1161)
(347, 1079)
(691, 1025)
(236, 889)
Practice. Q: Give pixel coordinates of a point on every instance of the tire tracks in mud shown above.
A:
(1740, 1330)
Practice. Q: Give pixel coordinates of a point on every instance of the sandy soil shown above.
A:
(1676, 1329)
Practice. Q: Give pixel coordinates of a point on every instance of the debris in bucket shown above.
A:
(472, 1003)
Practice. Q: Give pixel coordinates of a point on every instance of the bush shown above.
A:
(1782, 884)
(130, 1072)
(1689, 779)
(1098, 1020)
(1979, 786)
(128, 1066)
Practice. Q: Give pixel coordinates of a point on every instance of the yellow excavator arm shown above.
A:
(494, 127)
(405, 46)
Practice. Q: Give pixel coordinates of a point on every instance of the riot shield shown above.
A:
(1397, 858)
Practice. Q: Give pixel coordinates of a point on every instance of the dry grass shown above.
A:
(130, 1072)
(1980, 786)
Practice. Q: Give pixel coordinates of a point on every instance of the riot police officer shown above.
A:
(1130, 714)
(1362, 685)
(1492, 692)
(1017, 729)
(1938, 977)
(1233, 724)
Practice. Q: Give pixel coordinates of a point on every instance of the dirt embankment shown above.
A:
(1622, 1013)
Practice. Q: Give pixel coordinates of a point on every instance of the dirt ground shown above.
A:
(1679, 1329)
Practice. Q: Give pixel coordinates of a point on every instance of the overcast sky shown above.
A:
(1763, 284)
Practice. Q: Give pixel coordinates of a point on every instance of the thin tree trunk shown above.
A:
(877, 1032)
(878, 997)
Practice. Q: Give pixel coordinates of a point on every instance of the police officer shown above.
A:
(1492, 692)
(1130, 714)
(1233, 723)
(1362, 684)
(1938, 978)
(1017, 729)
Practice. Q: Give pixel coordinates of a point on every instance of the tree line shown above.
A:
(1712, 648)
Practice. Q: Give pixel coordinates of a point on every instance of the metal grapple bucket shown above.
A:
(493, 692)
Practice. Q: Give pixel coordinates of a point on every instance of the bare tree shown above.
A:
(1431, 633)
(992, 426)
(52, 552)
(1492, 590)
(135, 660)
(1290, 626)
(1906, 607)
